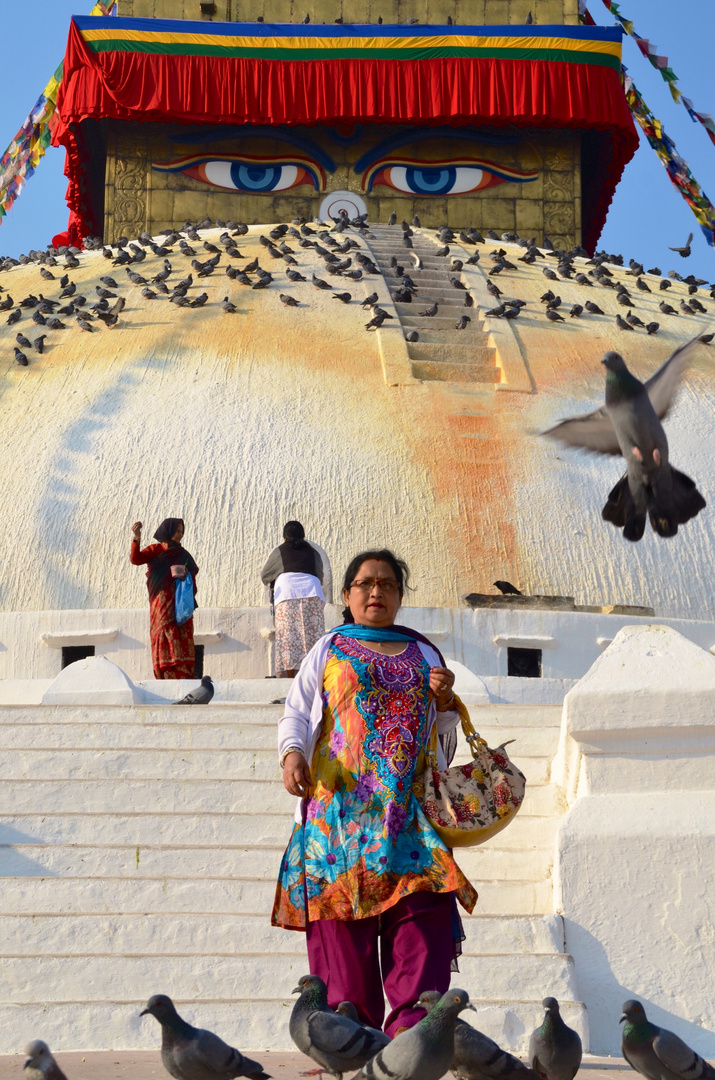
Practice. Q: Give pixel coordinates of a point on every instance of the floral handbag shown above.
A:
(468, 804)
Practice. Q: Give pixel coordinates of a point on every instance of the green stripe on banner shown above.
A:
(297, 55)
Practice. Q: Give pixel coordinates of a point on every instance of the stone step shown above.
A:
(136, 861)
(195, 933)
(251, 739)
(455, 353)
(109, 976)
(68, 895)
(240, 1020)
(427, 297)
(450, 336)
(441, 326)
(435, 371)
(446, 311)
(214, 829)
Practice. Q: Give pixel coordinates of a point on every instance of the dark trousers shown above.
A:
(415, 954)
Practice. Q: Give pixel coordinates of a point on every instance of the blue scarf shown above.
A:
(385, 633)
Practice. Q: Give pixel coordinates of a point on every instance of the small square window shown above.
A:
(524, 663)
(198, 661)
(72, 653)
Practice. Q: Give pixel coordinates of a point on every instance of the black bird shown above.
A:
(369, 301)
(376, 321)
(289, 301)
(553, 316)
(429, 313)
(14, 317)
(392, 220)
(346, 297)
(457, 284)
(707, 338)
(653, 327)
(109, 282)
(507, 589)
(200, 300)
(227, 306)
(462, 323)
(200, 696)
(593, 308)
(496, 312)
(39, 343)
(576, 311)
(23, 341)
(20, 357)
(642, 285)
(412, 336)
(84, 325)
(493, 289)
(622, 324)
(548, 273)
(190, 1053)
(665, 283)
(666, 308)
(70, 290)
(320, 283)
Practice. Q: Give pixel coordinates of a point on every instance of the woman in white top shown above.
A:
(295, 571)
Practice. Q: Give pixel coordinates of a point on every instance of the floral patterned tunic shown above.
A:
(367, 842)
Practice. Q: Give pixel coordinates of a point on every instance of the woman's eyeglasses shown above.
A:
(368, 584)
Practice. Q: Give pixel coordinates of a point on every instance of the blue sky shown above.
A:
(647, 214)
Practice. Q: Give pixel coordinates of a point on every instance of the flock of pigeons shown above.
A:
(339, 1043)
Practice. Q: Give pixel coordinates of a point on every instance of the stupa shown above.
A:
(131, 826)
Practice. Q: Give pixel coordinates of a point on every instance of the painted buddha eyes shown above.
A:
(248, 174)
(439, 177)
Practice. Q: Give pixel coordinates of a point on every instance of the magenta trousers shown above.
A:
(415, 954)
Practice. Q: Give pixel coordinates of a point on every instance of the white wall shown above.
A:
(635, 854)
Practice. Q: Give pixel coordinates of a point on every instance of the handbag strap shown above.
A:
(472, 737)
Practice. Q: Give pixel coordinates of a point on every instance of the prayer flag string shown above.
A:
(660, 63)
(22, 156)
(676, 167)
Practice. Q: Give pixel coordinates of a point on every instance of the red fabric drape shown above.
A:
(203, 89)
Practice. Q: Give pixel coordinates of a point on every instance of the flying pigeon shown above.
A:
(554, 1048)
(477, 1057)
(40, 1064)
(335, 1043)
(201, 696)
(190, 1053)
(685, 250)
(657, 1053)
(629, 423)
(425, 1051)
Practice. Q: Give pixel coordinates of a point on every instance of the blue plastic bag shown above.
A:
(184, 599)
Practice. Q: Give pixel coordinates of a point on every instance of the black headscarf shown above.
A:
(167, 529)
(294, 535)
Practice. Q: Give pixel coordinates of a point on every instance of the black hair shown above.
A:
(294, 534)
(399, 567)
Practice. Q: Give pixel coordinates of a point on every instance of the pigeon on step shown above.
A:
(335, 1043)
(477, 1057)
(40, 1064)
(656, 1053)
(190, 1053)
(554, 1048)
(201, 695)
(425, 1051)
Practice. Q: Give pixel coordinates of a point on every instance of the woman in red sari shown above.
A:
(172, 646)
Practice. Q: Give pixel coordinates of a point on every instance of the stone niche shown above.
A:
(138, 195)
(474, 12)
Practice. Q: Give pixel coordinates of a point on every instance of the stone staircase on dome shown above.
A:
(140, 846)
(442, 353)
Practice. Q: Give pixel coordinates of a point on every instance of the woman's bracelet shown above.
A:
(447, 707)
(290, 750)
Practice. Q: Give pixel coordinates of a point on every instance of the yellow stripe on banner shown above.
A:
(441, 41)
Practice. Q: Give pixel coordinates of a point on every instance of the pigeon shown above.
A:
(40, 1064)
(227, 306)
(657, 1053)
(507, 589)
(593, 308)
(289, 301)
(653, 327)
(346, 297)
(462, 323)
(629, 423)
(621, 323)
(200, 696)
(412, 336)
(20, 357)
(430, 312)
(336, 1043)
(425, 1051)
(377, 320)
(642, 285)
(346, 1008)
(369, 301)
(190, 1053)
(666, 308)
(294, 275)
(320, 283)
(477, 1057)
(392, 220)
(685, 250)
(457, 284)
(706, 338)
(553, 316)
(576, 311)
(39, 343)
(554, 1048)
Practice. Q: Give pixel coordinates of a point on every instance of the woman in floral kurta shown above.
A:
(363, 858)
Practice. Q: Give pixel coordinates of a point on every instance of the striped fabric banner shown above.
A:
(564, 44)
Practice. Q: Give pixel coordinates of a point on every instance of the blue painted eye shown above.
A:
(427, 181)
(438, 179)
(250, 176)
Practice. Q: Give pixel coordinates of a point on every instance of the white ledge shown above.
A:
(604, 642)
(79, 637)
(208, 637)
(512, 641)
(437, 635)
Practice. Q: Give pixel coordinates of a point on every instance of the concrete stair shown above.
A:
(442, 353)
(139, 848)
